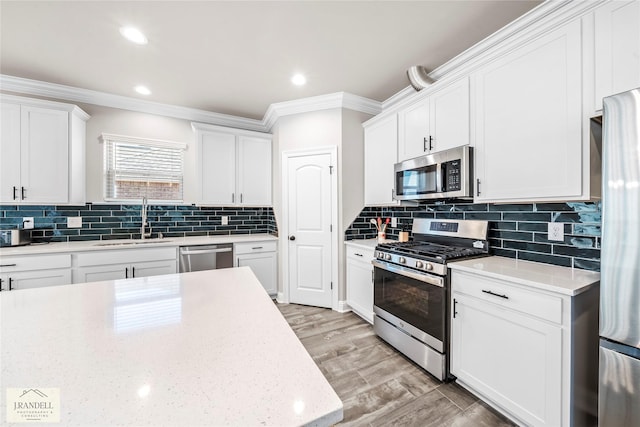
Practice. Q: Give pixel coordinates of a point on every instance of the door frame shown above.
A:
(284, 232)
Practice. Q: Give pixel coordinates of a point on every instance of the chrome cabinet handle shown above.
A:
(495, 295)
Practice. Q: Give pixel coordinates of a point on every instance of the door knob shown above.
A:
(292, 238)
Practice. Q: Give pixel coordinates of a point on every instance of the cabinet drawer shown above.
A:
(254, 247)
(508, 295)
(360, 254)
(125, 256)
(34, 262)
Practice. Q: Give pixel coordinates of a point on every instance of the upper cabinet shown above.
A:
(617, 49)
(437, 122)
(528, 122)
(380, 154)
(42, 146)
(233, 166)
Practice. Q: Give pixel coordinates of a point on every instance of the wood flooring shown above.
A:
(379, 386)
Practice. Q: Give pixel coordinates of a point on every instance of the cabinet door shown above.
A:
(617, 48)
(9, 152)
(254, 171)
(413, 131)
(528, 139)
(153, 268)
(101, 272)
(217, 177)
(449, 116)
(44, 160)
(264, 266)
(380, 154)
(35, 279)
(360, 289)
(510, 358)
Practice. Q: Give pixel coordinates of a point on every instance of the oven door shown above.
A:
(412, 301)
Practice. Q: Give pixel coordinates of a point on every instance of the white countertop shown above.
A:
(562, 280)
(366, 243)
(102, 245)
(192, 349)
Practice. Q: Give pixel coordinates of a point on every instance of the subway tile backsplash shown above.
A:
(515, 230)
(104, 222)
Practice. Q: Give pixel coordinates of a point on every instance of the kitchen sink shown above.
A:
(141, 242)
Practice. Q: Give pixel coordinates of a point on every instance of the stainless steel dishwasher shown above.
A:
(205, 257)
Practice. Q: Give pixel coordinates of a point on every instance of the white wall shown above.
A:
(131, 123)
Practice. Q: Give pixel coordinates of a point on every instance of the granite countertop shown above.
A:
(178, 349)
(101, 245)
(553, 278)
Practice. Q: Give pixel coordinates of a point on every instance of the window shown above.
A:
(136, 167)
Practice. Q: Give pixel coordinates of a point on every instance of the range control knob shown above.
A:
(429, 266)
(419, 264)
(379, 254)
(387, 257)
(402, 260)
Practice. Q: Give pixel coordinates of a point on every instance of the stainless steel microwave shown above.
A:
(445, 174)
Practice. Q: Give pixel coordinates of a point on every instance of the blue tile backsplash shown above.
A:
(104, 222)
(515, 230)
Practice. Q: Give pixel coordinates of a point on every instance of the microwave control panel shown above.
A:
(452, 175)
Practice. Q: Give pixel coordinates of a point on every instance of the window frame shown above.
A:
(106, 139)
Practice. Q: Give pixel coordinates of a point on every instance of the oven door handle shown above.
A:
(423, 277)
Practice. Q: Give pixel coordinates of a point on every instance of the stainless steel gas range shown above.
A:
(411, 288)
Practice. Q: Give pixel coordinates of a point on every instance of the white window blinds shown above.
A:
(137, 167)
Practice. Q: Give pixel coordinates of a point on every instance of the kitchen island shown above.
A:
(203, 348)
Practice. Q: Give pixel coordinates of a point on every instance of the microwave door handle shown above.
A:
(443, 177)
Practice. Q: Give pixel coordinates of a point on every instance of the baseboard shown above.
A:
(343, 307)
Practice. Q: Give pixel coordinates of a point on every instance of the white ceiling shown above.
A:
(237, 57)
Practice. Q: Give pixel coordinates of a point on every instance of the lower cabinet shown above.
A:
(360, 281)
(262, 258)
(123, 264)
(521, 349)
(36, 271)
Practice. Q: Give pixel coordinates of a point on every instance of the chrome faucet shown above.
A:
(143, 217)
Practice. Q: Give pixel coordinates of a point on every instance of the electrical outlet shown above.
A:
(74, 222)
(27, 222)
(224, 220)
(394, 222)
(555, 231)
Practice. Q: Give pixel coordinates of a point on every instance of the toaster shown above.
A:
(17, 237)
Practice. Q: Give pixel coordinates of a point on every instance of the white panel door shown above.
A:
(413, 131)
(309, 217)
(449, 112)
(217, 168)
(254, 171)
(617, 53)
(153, 268)
(44, 168)
(380, 154)
(9, 152)
(265, 266)
(35, 279)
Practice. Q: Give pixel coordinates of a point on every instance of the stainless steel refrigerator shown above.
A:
(619, 389)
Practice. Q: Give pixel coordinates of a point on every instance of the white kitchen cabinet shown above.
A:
(528, 122)
(96, 266)
(617, 49)
(36, 271)
(524, 350)
(437, 122)
(262, 258)
(380, 154)
(360, 280)
(42, 147)
(234, 166)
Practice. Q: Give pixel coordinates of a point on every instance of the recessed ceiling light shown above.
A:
(142, 90)
(298, 79)
(134, 35)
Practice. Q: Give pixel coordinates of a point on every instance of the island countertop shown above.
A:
(202, 348)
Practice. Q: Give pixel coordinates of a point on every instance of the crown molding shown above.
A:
(546, 17)
(69, 93)
(320, 102)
